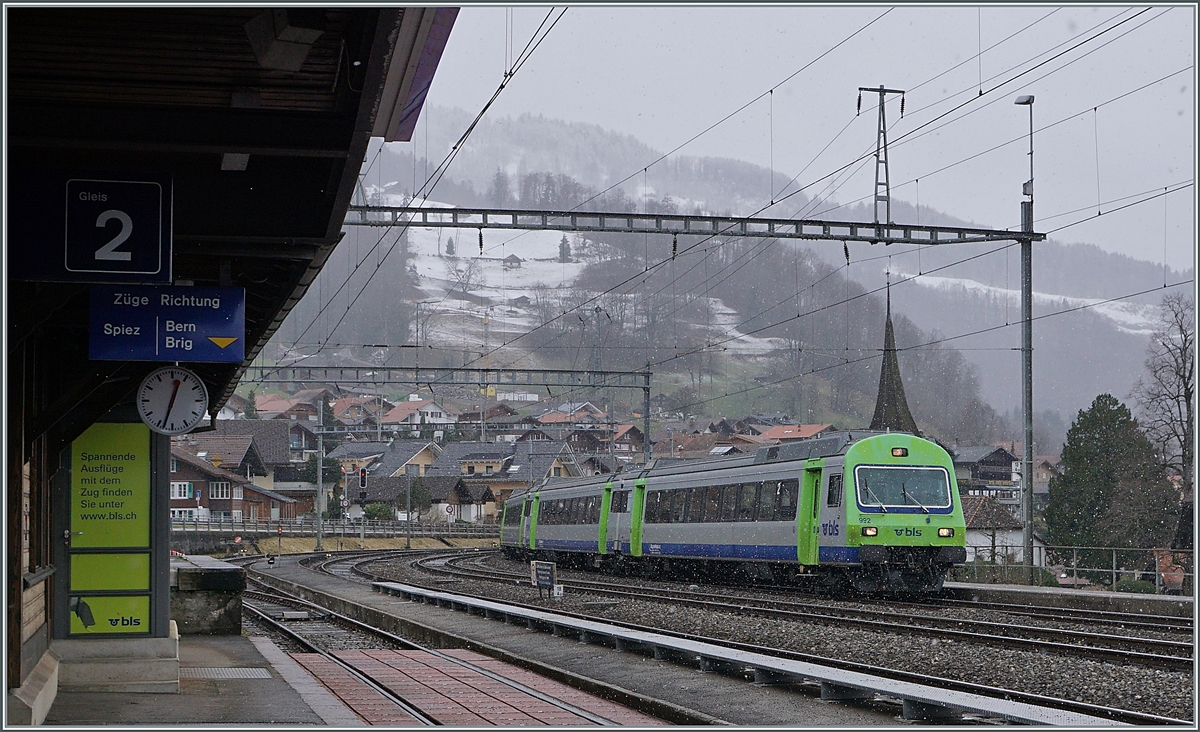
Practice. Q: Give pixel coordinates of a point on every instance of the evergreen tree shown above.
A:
(450, 246)
(1112, 491)
(251, 407)
(564, 250)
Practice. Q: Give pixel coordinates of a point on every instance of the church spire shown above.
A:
(891, 407)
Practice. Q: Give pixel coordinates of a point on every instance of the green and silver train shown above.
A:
(872, 512)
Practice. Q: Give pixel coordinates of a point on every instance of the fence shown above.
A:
(1170, 570)
(307, 526)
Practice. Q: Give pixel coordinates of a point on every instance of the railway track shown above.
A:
(1111, 714)
(321, 631)
(1154, 653)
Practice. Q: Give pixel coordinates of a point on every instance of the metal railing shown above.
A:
(1172, 571)
(306, 526)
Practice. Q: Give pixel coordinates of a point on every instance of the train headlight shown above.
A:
(945, 531)
(869, 531)
(899, 452)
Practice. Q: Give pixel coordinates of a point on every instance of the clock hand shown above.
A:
(172, 402)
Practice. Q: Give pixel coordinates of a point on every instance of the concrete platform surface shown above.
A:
(201, 701)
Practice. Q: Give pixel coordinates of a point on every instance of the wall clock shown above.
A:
(172, 400)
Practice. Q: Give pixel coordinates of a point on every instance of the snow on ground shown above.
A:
(498, 283)
(1129, 317)
(725, 320)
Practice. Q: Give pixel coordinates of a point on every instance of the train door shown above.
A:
(618, 520)
(527, 523)
(808, 513)
(831, 530)
(637, 513)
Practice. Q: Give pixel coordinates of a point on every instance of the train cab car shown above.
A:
(891, 515)
(873, 512)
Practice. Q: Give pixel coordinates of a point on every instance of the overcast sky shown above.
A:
(666, 74)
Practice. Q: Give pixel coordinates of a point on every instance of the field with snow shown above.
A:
(1135, 318)
(494, 285)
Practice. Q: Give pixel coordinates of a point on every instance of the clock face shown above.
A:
(172, 400)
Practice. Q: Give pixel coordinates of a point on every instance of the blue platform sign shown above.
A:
(147, 323)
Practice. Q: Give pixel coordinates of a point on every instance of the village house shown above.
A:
(994, 535)
(452, 499)
(360, 411)
(203, 491)
(416, 413)
(233, 453)
(987, 471)
(504, 467)
(355, 455)
(405, 457)
(272, 439)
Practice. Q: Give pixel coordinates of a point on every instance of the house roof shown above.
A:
(454, 453)
(369, 404)
(982, 512)
(979, 453)
(580, 417)
(404, 410)
(231, 450)
(627, 430)
(269, 494)
(357, 450)
(273, 407)
(795, 431)
(532, 461)
(391, 490)
(206, 467)
(270, 437)
(398, 454)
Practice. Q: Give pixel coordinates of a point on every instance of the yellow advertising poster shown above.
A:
(110, 487)
(110, 572)
(112, 614)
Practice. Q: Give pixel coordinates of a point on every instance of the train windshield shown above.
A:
(902, 487)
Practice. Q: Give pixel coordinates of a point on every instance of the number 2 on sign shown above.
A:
(107, 252)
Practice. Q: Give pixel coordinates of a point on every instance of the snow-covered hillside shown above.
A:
(1129, 317)
(496, 284)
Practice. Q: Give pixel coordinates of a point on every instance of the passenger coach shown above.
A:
(873, 511)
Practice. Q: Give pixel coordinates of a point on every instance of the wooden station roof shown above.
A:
(261, 118)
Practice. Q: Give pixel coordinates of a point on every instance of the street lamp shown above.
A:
(1026, 100)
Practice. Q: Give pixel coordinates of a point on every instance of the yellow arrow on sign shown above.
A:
(222, 342)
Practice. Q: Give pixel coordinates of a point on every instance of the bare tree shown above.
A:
(1167, 394)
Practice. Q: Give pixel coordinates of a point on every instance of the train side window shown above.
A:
(696, 504)
(652, 499)
(620, 502)
(749, 499)
(834, 497)
(786, 499)
(528, 507)
(593, 510)
(680, 508)
(712, 504)
(666, 513)
(576, 510)
(729, 502)
(768, 496)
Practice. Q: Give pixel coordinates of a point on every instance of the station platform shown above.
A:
(1098, 600)
(224, 680)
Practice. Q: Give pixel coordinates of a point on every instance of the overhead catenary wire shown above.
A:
(917, 251)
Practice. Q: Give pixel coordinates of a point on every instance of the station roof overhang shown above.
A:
(261, 117)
